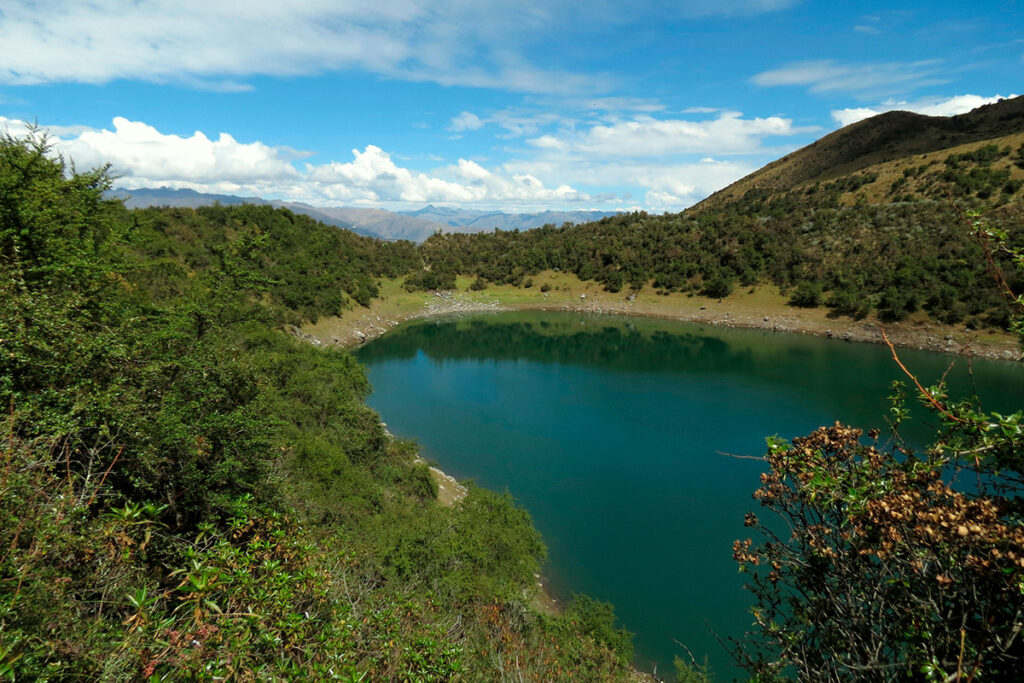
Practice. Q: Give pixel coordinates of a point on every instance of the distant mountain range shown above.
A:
(415, 225)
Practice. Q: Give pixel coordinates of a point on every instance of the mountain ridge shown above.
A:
(413, 225)
(880, 139)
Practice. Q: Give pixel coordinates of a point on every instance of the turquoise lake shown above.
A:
(616, 434)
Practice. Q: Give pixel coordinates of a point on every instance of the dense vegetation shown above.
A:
(890, 564)
(307, 269)
(188, 493)
(894, 259)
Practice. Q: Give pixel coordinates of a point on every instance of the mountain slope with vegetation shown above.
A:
(415, 226)
(189, 493)
(884, 138)
(887, 239)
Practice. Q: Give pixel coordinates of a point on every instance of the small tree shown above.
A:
(806, 295)
(717, 287)
(886, 571)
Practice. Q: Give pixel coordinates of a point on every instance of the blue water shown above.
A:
(617, 436)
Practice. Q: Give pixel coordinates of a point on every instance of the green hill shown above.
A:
(187, 492)
(870, 220)
(893, 139)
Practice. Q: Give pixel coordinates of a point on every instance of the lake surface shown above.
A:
(614, 434)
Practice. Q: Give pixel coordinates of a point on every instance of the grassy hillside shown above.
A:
(895, 136)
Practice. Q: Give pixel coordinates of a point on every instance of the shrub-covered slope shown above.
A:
(848, 222)
(187, 493)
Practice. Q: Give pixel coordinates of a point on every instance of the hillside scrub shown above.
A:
(894, 564)
(188, 493)
(868, 215)
(895, 260)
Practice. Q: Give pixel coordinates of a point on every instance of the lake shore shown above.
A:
(757, 308)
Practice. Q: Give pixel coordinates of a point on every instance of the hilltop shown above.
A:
(882, 143)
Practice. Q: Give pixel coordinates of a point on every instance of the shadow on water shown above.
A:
(611, 432)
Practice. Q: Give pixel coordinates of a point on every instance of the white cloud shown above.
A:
(148, 157)
(14, 127)
(472, 171)
(733, 7)
(476, 43)
(213, 44)
(590, 169)
(669, 186)
(374, 178)
(845, 117)
(518, 123)
(142, 156)
(467, 120)
(622, 104)
(645, 136)
(958, 104)
(548, 142)
(828, 76)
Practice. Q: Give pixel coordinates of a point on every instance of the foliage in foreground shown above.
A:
(884, 564)
(187, 493)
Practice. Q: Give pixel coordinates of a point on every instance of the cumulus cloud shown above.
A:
(145, 156)
(958, 104)
(680, 186)
(373, 178)
(645, 136)
(669, 186)
(590, 169)
(142, 156)
(829, 76)
(14, 127)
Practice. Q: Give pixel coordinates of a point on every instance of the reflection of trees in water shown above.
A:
(811, 366)
(608, 346)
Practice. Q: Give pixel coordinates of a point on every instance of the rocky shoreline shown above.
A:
(923, 336)
(363, 326)
(355, 331)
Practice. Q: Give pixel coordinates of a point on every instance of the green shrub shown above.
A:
(806, 295)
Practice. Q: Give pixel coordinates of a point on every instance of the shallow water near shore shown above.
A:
(616, 435)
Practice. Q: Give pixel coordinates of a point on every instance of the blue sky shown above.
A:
(521, 105)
